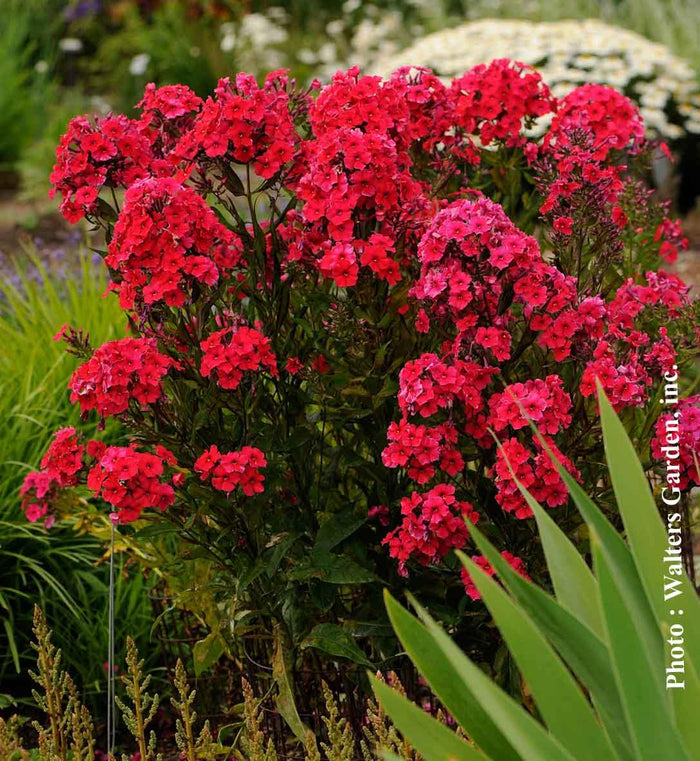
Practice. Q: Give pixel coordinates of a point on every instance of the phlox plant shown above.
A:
(334, 297)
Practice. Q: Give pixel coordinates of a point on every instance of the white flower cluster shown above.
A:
(569, 54)
(366, 32)
(255, 38)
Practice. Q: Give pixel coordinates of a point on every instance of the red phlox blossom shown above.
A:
(433, 524)
(131, 481)
(350, 176)
(106, 151)
(544, 402)
(166, 238)
(320, 365)
(536, 473)
(232, 469)
(294, 365)
(429, 383)
(612, 118)
(415, 447)
(470, 254)
(679, 436)
(670, 233)
(64, 457)
(376, 254)
(118, 372)
(369, 103)
(244, 123)
(166, 113)
(230, 352)
(379, 513)
(496, 101)
(39, 491)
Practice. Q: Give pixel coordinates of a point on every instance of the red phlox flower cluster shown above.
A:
(470, 254)
(167, 103)
(379, 513)
(60, 468)
(513, 561)
(410, 106)
(119, 371)
(166, 238)
(64, 457)
(365, 102)
(377, 255)
(231, 469)
(496, 101)
(537, 474)
(429, 383)
(672, 238)
(244, 123)
(625, 360)
(429, 104)
(679, 436)
(665, 289)
(420, 449)
(166, 113)
(433, 524)
(574, 177)
(624, 382)
(39, 491)
(352, 176)
(583, 321)
(131, 481)
(106, 151)
(230, 352)
(661, 355)
(612, 118)
(544, 402)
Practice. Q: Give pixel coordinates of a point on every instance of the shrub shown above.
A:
(305, 278)
(614, 631)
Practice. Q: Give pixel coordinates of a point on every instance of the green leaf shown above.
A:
(645, 530)
(337, 528)
(493, 720)
(585, 653)
(574, 584)
(207, 652)
(336, 641)
(640, 682)
(285, 694)
(11, 643)
(457, 697)
(559, 699)
(278, 550)
(620, 560)
(433, 740)
(333, 569)
(649, 542)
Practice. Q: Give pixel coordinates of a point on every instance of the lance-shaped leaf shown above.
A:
(530, 739)
(433, 740)
(558, 697)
